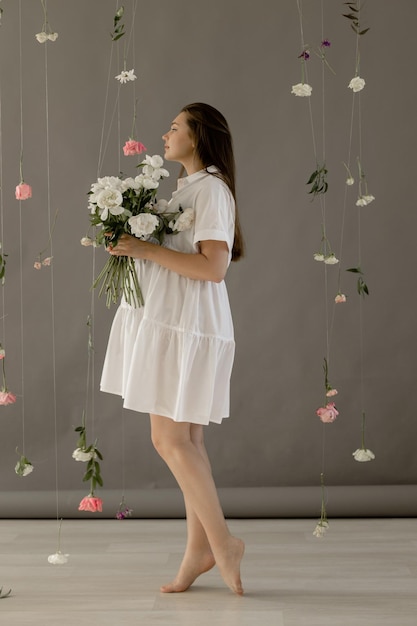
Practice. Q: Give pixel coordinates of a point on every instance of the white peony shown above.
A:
(152, 167)
(143, 225)
(81, 455)
(109, 201)
(301, 89)
(183, 221)
(58, 558)
(362, 455)
(357, 84)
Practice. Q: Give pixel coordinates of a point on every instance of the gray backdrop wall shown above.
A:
(242, 58)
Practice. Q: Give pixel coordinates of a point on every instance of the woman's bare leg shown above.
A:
(198, 557)
(174, 442)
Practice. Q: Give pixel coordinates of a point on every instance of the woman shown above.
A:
(173, 357)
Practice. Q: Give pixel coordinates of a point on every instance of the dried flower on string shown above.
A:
(47, 33)
(318, 256)
(23, 467)
(6, 396)
(363, 454)
(125, 76)
(58, 558)
(323, 524)
(364, 200)
(123, 511)
(302, 89)
(132, 148)
(91, 503)
(87, 241)
(328, 413)
(340, 298)
(331, 259)
(92, 456)
(23, 191)
(357, 84)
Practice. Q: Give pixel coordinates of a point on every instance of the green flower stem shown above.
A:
(323, 514)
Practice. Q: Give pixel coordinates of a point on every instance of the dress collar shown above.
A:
(187, 180)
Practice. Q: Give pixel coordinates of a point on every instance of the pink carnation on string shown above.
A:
(328, 413)
(340, 298)
(92, 504)
(331, 392)
(23, 191)
(132, 147)
(7, 397)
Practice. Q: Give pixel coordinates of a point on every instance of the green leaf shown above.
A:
(312, 177)
(356, 270)
(362, 32)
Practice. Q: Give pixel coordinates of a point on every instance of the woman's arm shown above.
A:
(209, 264)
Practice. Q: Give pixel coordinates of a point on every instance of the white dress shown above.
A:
(174, 356)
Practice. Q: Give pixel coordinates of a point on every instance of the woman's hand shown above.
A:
(128, 245)
(209, 264)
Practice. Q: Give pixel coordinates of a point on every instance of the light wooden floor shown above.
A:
(362, 573)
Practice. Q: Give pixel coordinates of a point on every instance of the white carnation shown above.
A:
(362, 455)
(58, 558)
(357, 84)
(301, 89)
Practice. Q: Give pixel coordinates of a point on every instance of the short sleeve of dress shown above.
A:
(214, 213)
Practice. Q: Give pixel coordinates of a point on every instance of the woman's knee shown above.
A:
(167, 435)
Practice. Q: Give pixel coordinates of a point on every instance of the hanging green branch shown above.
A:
(118, 29)
(361, 286)
(353, 16)
(2, 266)
(318, 181)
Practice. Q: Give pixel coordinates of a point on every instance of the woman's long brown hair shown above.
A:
(214, 146)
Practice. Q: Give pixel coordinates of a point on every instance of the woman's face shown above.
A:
(179, 145)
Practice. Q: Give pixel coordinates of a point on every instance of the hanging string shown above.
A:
(53, 338)
(3, 298)
(22, 355)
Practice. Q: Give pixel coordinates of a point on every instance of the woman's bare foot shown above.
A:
(229, 564)
(192, 567)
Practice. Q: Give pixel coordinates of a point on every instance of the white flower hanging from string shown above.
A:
(318, 183)
(23, 467)
(363, 454)
(47, 34)
(357, 84)
(59, 558)
(6, 396)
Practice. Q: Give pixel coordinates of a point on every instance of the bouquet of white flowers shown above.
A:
(128, 205)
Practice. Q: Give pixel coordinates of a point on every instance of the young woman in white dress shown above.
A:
(173, 357)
